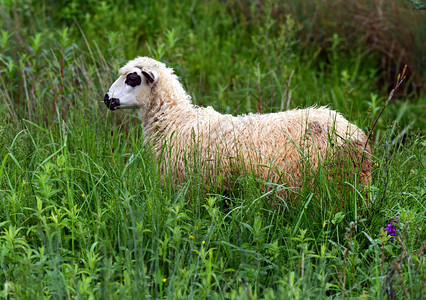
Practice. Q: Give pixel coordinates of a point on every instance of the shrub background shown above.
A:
(82, 210)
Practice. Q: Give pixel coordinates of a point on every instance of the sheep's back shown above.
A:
(278, 141)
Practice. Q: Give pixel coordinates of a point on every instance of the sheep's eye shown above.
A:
(133, 79)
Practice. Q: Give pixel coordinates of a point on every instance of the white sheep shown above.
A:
(272, 147)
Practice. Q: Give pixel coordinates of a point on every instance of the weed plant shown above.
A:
(85, 214)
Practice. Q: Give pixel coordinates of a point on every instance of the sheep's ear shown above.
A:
(151, 76)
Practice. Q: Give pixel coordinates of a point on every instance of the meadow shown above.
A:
(84, 213)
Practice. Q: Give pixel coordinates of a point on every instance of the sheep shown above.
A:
(271, 147)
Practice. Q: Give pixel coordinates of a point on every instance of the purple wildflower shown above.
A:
(391, 229)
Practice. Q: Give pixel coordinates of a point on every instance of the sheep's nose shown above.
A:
(113, 103)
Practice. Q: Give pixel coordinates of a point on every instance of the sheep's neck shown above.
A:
(160, 112)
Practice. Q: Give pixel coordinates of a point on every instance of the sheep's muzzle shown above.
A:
(111, 103)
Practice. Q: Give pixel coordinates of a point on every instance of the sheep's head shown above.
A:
(132, 89)
(142, 80)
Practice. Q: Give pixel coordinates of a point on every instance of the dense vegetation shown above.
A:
(84, 214)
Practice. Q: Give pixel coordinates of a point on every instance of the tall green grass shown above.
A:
(84, 212)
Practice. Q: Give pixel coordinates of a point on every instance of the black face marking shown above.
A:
(133, 79)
